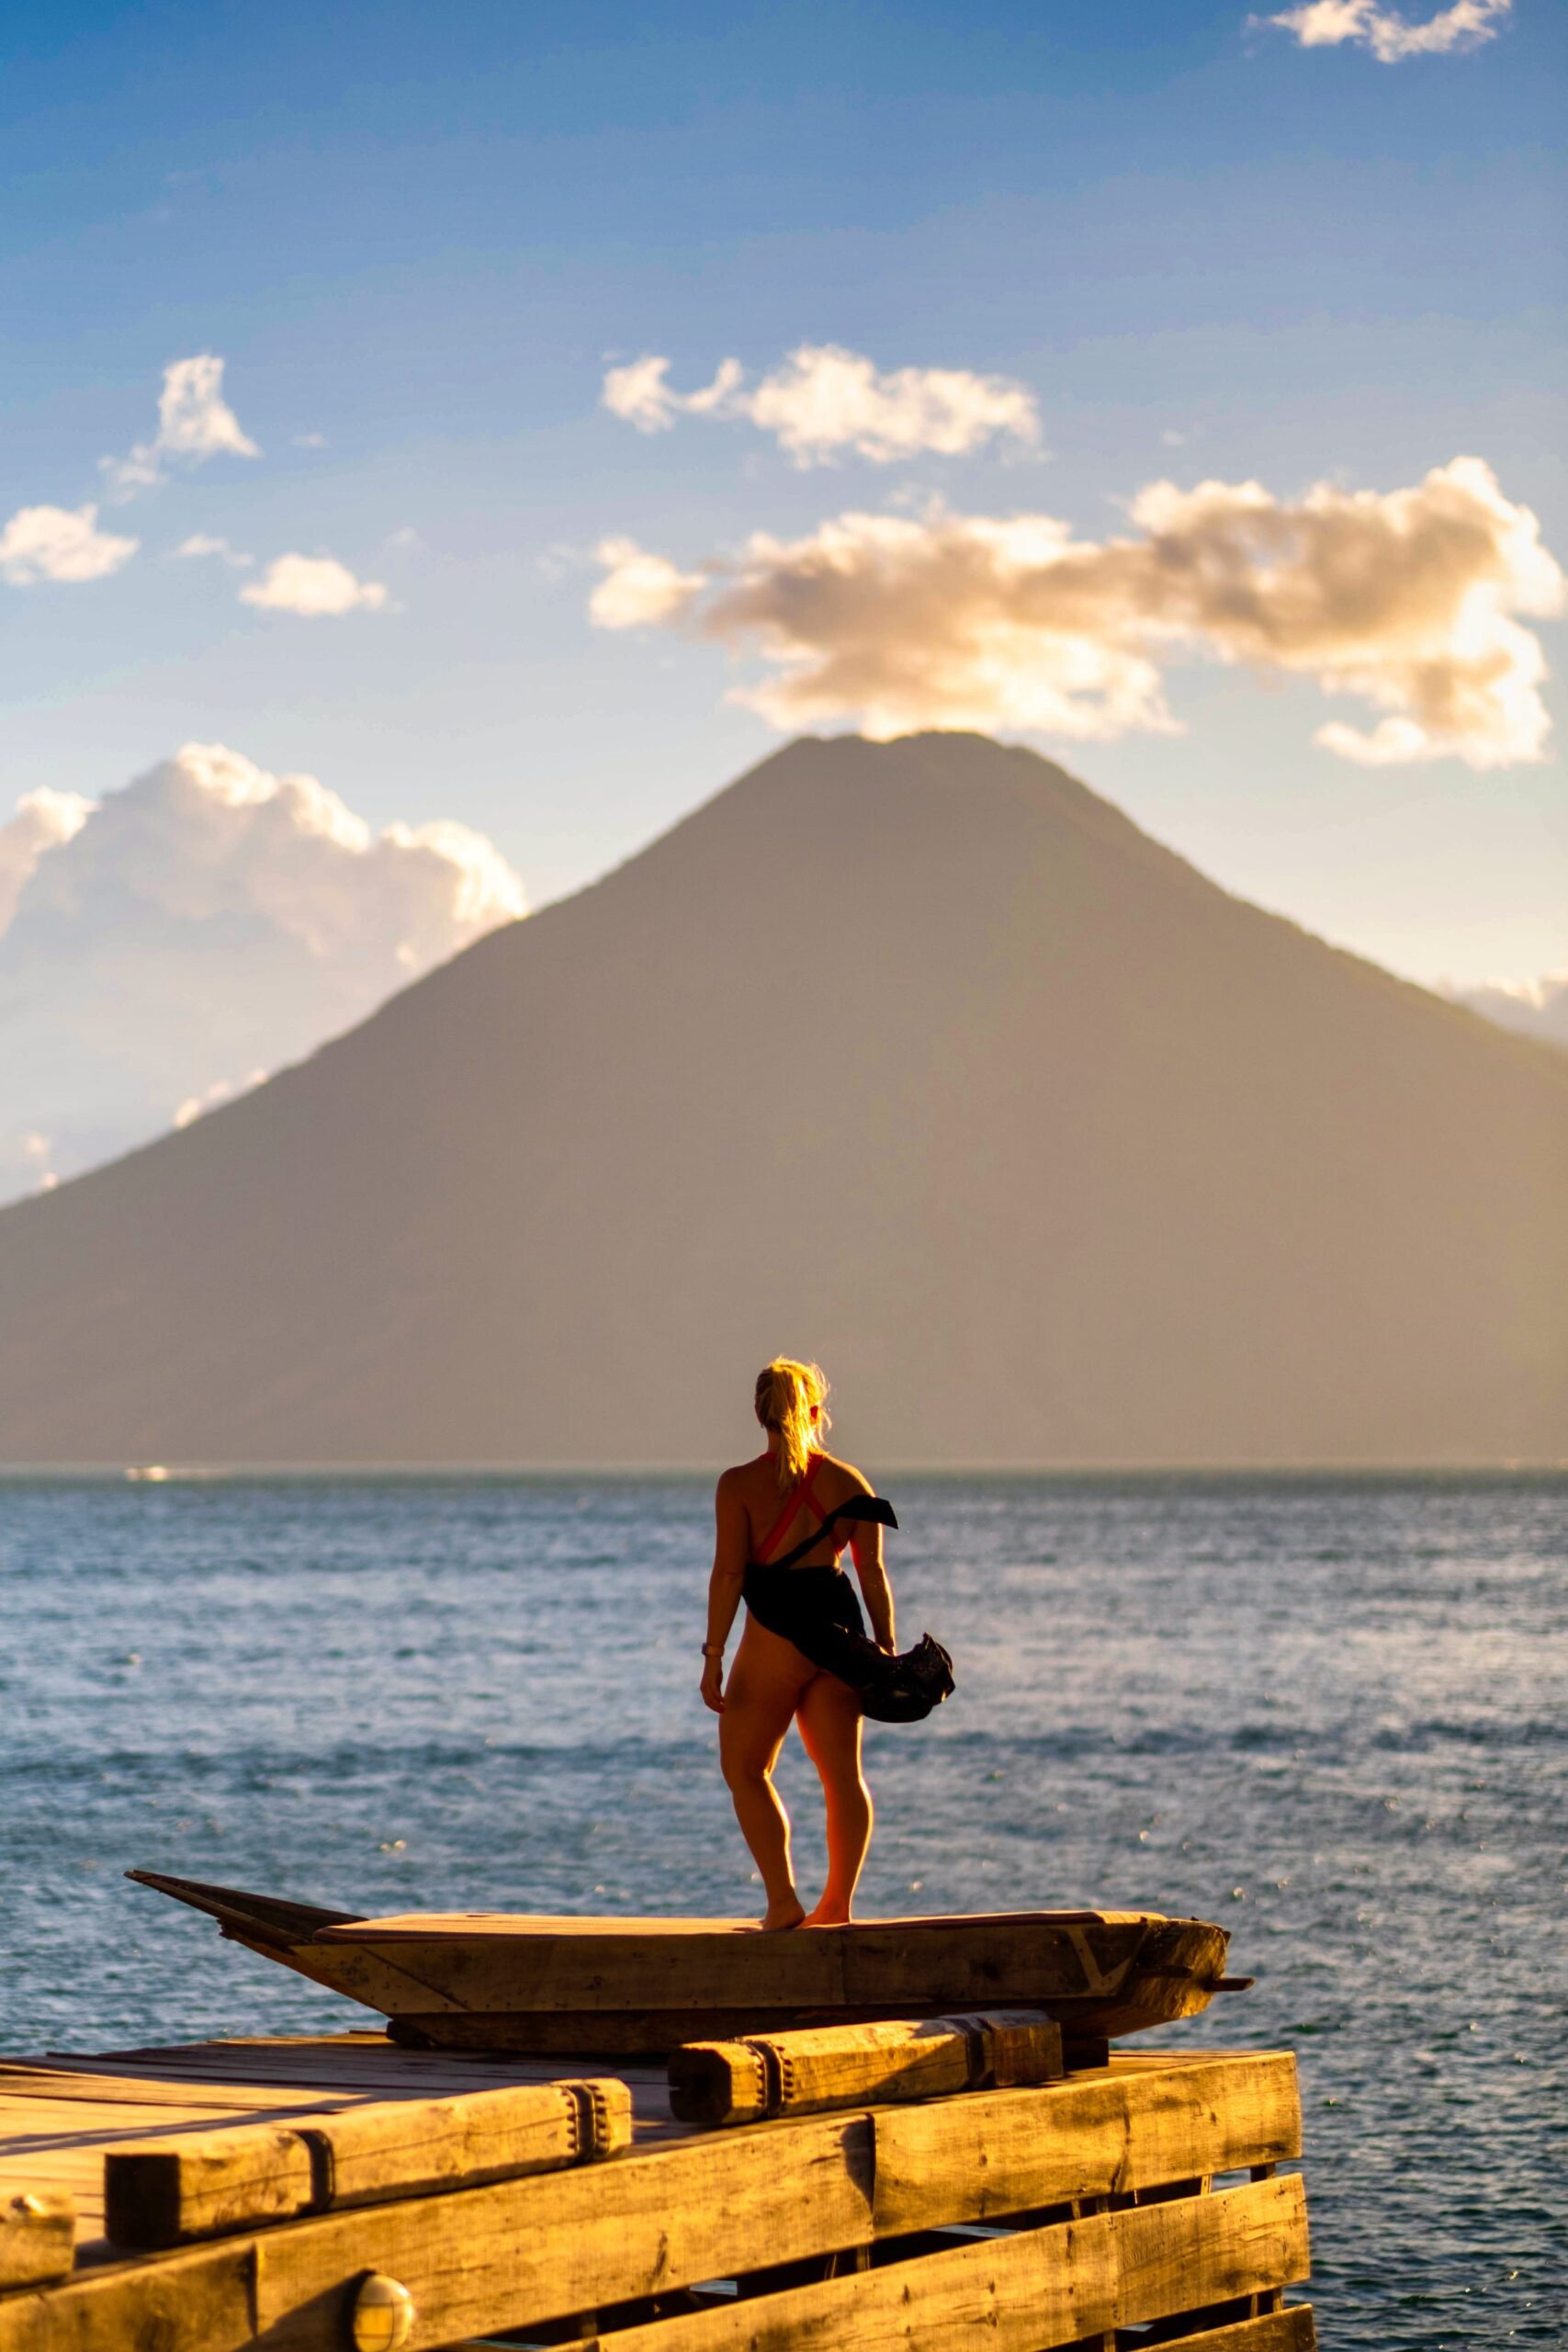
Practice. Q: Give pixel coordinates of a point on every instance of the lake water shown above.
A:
(1329, 1714)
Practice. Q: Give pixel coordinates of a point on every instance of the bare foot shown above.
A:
(826, 1915)
(790, 1914)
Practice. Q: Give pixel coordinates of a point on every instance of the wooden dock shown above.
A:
(899, 2136)
(343, 2194)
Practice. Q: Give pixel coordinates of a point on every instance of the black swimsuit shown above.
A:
(817, 1610)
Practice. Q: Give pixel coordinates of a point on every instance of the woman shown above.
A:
(795, 1493)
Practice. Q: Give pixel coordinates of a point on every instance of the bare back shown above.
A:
(754, 1487)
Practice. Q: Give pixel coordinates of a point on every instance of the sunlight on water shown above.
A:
(1328, 1714)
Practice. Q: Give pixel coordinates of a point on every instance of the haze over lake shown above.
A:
(1328, 1713)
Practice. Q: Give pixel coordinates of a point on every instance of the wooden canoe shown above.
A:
(508, 1982)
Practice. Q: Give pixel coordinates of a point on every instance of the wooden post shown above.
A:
(821, 2067)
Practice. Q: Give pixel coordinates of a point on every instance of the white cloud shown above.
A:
(312, 586)
(43, 820)
(163, 946)
(195, 423)
(1538, 1008)
(824, 402)
(309, 441)
(59, 543)
(195, 1106)
(1404, 599)
(203, 543)
(639, 588)
(1327, 24)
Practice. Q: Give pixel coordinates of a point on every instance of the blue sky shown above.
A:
(417, 236)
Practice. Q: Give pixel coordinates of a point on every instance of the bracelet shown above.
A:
(712, 1650)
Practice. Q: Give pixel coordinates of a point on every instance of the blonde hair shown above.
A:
(786, 1392)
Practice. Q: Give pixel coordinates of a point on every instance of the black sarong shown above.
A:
(817, 1610)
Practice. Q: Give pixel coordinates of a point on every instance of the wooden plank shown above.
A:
(1293, 2330)
(980, 2158)
(720, 2083)
(1019, 2293)
(168, 2192)
(476, 2261)
(1024, 2293)
(38, 2236)
(1022, 1959)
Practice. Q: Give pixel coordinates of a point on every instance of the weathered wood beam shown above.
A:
(1283, 2331)
(811, 2070)
(38, 2236)
(714, 2206)
(1024, 2293)
(999, 2153)
(479, 2259)
(168, 2191)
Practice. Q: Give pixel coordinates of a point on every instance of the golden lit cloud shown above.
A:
(1404, 599)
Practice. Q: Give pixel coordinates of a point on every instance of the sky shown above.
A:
(457, 548)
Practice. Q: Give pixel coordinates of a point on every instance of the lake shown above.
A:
(1328, 1713)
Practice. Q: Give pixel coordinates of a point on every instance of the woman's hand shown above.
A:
(713, 1684)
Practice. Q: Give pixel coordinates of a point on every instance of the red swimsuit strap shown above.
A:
(798, 1495)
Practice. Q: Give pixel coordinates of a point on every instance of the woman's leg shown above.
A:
(759, 1701)
(829, 1718)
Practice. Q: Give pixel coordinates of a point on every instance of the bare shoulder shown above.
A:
(846, 1479)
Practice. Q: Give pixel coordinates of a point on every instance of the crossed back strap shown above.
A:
(869, 1510)
(799, 1493)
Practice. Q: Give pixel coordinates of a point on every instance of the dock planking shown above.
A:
(1075, 2185)
(584, 2132)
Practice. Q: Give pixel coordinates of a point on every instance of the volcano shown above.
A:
(916, 1058)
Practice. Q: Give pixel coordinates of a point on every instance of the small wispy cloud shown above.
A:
(203, 543)
(195, 423)
(313, 586)
(1391, 37)
(59, 543)
(309, 441)
(824, 402)
(641, 590)
(1404, 599)
(1536, 1007)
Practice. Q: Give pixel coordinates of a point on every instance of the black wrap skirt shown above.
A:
(819, 1611)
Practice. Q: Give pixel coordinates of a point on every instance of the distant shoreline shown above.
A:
(1185, 1472)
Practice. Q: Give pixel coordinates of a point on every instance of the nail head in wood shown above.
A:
(383, 2315)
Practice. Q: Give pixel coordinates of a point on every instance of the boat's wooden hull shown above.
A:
(568, 1986)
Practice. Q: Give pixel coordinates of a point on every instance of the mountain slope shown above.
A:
(915, 1056)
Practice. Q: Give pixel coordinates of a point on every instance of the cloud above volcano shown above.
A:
(1404, 600)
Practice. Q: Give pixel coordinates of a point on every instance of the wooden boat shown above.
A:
(498, 1981)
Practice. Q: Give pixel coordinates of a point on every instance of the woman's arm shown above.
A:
(865, 1544)
(730, 1546)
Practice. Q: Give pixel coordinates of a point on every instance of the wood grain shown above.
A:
(168, 2192)
(722, 2083)
(1025, 2292)
(980, 2158)
(37, 2235)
